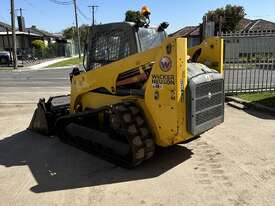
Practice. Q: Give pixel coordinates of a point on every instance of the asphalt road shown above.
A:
(232, 164)
(36, 78)
(28, 86)
(235, 79)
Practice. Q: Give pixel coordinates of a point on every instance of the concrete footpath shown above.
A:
(230, 165)
(40, 66)
(47, 63)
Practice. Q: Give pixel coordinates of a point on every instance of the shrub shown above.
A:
(38, 44)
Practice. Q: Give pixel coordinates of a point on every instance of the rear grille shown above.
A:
(207, 115)
(207, 102)
(206, 105)
(204, 88)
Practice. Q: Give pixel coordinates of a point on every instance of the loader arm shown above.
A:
(209, 52)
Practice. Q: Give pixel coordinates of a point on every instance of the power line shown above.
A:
(33, 6)
(61, 2)
(4, 18)
(82, 14)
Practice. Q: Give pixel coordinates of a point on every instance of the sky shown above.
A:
(179, 13)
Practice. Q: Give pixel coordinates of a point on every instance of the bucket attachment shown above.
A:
(39, 122)
(46, 113)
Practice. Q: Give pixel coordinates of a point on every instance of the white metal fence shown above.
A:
(249, 61)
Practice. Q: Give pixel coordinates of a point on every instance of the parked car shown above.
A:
(5, 57)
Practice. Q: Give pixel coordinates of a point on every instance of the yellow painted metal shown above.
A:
(167, 112)
(105, 76)
(164, 103)
(211, 53)
(97, 100)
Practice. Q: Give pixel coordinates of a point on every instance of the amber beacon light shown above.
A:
(145, 11)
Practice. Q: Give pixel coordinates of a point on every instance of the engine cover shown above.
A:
(205, 96)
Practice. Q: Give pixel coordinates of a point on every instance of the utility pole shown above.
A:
(93, 12)
(76, 25)
(14, 47)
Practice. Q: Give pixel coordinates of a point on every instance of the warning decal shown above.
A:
(163, 79)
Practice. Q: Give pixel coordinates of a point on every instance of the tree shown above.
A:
(134, 16)
(70, 33)
(84, 30)
(230, 16)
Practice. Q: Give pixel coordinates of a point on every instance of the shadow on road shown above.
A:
(270, 102)
(57, 166)
(262, 113)
(259, 114)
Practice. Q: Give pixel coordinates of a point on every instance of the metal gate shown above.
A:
(249, 62)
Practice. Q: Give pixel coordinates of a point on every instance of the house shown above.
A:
(258, 25)
(192, 33)
(46, 36)
(4, 27)
(25, 37)
(253, 40)
(23, 40)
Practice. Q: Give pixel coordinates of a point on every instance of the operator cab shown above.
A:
(111, 42)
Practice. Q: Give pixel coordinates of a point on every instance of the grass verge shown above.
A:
(68, 62)
(264, 98)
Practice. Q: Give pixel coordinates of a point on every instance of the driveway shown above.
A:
(232, 164)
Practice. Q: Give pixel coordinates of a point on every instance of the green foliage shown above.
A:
(52, 46)
(133, 16)
(230, 15)
(68, 33)
(38, 44)
(84, 30)
(71, 33)
(264, 98)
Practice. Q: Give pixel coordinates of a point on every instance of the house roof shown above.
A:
(40, 32)
(245, 25)
(255, 25)
(4, 33)
(4, 27)
(33, 30)
(187, 31)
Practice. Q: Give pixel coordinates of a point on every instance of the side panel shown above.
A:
(105, 76)
(165, 96)
(88, 100)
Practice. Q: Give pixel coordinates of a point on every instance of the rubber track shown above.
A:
(129, 122)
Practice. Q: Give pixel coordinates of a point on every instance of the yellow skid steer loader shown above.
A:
(139, 89)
